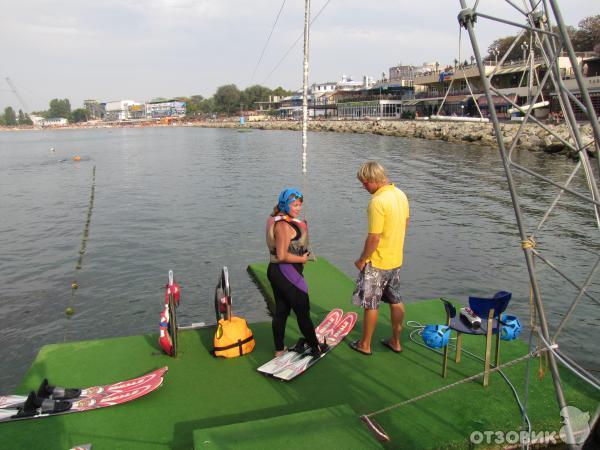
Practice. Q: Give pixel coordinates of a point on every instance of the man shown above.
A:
(381, 258)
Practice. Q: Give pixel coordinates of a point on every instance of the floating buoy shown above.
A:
(74, 285)
(69, 311)
(76, 158)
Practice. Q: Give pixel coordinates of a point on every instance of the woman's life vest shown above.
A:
(298, 245)
(233, 338)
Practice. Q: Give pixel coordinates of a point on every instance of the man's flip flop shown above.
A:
(386, 343)
(354, 346)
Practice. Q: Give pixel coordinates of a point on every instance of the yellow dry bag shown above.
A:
(233, 338)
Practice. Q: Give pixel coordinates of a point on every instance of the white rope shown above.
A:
(305, 84)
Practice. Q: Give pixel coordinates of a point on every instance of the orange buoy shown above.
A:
(76, 158)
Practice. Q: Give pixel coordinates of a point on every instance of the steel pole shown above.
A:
(578, 76)
(466, 18)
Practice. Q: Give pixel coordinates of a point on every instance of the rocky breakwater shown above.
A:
(533, 137)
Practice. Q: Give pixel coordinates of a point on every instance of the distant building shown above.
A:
(318, 88)
(347, 83)
(54, 122)
(404, 75)
(590, 68)
(272, 104)
(321, 102)
(291, 106)
(457, 89)
(94, 109)
(37, 120)
(137, 111)
(118, 110)
(165, 108)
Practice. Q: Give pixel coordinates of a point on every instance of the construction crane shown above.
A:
(14, 91)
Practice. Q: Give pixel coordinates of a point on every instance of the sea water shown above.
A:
(193, 200)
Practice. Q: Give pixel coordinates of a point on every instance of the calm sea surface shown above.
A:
(193, 200)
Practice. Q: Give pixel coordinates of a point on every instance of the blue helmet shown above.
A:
(511, 327)
(286, 197)
(436, 336)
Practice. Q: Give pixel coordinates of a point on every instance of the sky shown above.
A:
(142, 49)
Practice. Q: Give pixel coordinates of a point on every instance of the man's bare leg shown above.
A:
(397, 316)
(369, 324)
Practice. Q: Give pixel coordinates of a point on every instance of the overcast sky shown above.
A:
(141, 49)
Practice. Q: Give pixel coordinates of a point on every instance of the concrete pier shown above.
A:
(534, 138)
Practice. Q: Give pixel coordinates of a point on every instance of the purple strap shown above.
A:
(292, 275)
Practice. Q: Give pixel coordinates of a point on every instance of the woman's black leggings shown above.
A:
(289, 297)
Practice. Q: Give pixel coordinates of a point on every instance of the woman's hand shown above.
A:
(304, 258)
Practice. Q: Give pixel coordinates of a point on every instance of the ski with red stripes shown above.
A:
(292, 355)
(306, 360)
(51, 400)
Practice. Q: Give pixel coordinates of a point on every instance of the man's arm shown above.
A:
(371, 244)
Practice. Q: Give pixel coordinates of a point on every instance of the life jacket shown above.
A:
(298, 245)
(233, 338)
(165, 336)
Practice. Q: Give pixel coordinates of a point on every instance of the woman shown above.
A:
(287, 240)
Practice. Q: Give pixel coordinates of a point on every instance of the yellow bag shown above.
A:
(233, 338)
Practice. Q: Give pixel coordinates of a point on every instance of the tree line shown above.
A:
(585, 38)
(10, 118)
(228, 99)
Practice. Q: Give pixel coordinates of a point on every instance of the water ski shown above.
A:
(167, 338)
(233, 337)
(298, 359)
(223, 296)
(50, 400)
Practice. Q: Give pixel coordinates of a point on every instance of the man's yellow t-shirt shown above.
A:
(388, 212)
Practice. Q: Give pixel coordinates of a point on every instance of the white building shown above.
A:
(166, 108)
(348, 84)
(119, 109)
(54, 122)
(318, 88)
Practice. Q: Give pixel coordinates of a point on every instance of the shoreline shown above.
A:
(533, 138)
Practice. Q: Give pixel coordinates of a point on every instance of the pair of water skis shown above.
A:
(52, 400)
(297, 360)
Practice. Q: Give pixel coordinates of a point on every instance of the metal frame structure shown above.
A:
(550, 40)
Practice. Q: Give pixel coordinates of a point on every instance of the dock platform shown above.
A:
(208, 402)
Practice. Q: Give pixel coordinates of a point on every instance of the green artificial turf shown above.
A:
(228, 402)
(326, 427)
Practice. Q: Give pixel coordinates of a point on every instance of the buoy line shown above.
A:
(69, 311)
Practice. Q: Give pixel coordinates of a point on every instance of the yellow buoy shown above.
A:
(74, 285)
(76, 158)
(69, 311)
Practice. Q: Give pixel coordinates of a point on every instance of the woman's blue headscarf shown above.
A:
(286, 197)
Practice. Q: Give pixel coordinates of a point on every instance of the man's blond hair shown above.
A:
(371, 172)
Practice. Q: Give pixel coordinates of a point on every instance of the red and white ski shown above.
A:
(330, 321)
(15, 407)
(306, 360)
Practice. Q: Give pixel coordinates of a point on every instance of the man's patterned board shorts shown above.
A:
(374, 286)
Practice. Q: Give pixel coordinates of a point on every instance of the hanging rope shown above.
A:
(305, 183)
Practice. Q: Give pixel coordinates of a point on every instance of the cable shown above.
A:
(267, 43)
(585, 377)
(419, 329)
(294, 44)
